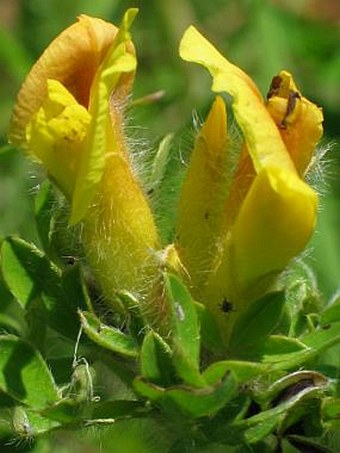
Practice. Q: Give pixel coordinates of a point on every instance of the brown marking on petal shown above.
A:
(275, 86)
(291, 104)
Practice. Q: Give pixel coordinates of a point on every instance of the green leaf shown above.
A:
(9, 324)
(210, 333)
(252, 327)
(331, 312)
(331, 410)
(21, 262)
(279, 344)
(285, 353)
(67, 410)
(74, 291)
(155, 360)
(44, 203)
(118, 409)
(193, 402)
(148, 390)
(242, 371)
(24, 375)
(203, 402)
(107, 337)
(322, 338)
(185, 331)
(29, 275)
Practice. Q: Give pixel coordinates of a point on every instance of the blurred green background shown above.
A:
(261, 36)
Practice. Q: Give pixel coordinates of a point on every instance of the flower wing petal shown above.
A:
(105, 135)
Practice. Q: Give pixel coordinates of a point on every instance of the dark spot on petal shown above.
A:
(274, 86)
(226, 306)
(291, 103)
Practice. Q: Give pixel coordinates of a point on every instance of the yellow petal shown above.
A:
(201, 217)
(105, 134)
(299, 120)
(57, 133)
(73, 59)
(274, 225)
(260, 132)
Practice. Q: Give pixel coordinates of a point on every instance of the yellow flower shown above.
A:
(69, 117)
(236, 233)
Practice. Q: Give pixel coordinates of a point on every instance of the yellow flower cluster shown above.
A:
(235, 240)
(234, 235)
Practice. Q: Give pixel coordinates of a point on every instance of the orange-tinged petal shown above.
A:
(73, 59)
(299, 120)
(201, 217)
(260, 132)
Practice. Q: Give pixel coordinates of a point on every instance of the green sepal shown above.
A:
(156, 360)
(131, 307)
(185, 341)
(160, 163)
(257, 427)
(290, 385)
(192, 402)
(302, 443)
(306, 410)
(24, 375)
(107, 337)
(255, 325)
(28, 424)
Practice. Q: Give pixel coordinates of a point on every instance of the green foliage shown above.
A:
(256, 400)
(24, 375)
(69, 365)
